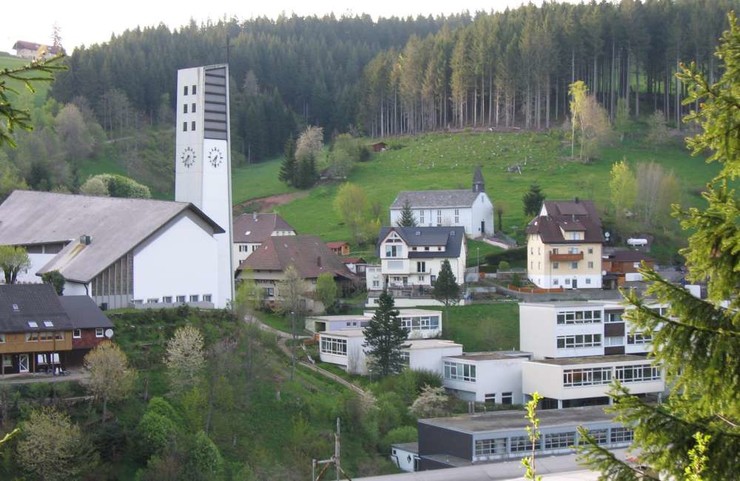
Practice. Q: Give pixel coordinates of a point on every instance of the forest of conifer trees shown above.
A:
(408, 75)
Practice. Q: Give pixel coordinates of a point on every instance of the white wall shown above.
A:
(180, 259)
(431, 359)
(37, 262)
(537, 330)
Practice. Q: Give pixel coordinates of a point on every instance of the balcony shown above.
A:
(565, 257)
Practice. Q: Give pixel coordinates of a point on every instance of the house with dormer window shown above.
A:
(410, 261)
(564, 246)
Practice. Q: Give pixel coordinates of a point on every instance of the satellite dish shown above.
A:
(607, 235)
(603, 273)
(109, 333)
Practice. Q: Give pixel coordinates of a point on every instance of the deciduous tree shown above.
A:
(111, 378)
(353, 208)
(13, 260)
(385, 337)
(326, 290)
(697, 341)
(185, 358)
(623, 189)
(52, 448)
(432, 402)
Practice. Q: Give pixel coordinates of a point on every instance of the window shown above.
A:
(180, 299)
(490, 398)
(167, 299)
(184, 108)
(192, 125)
(185, 90)
(567, 281)
(421, 217)
(46, 336)
(194, 298)
(392, 250)
(579, 340)
(33, 324)
(599, 435)
(639, 338)
(589, 376)
(555, 265)
(579, 317)
(555, 282)
(457, 216)
(590, 264)
(207, 298)
(184, 126)
(376, 283)
(590, 249)
(193, 89)
(76, 333)
(588, 281)
(7, 360)
(439, 217)
(99, 332)
(254, 248)
(614, 341)
(32, 336)
(405, 358)
(613, 317)
(48, 324)
(507, 398)
(421, 266)
(152, 300)
(192, 107)
(2, 338)
(638, 373)
(520, 444)
(269, 291)
(59, 336)
(621, 435)
(331, 345)
(422, 278)
(574, 265)
(560, 440)
(484, 447)
(459, 371)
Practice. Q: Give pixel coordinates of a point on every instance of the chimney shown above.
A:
(576, 199)
(85, 240)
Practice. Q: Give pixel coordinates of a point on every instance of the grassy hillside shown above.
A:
(41, 88)
(447, 160)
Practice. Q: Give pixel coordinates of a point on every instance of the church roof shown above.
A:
(435, 199)
(114, 225)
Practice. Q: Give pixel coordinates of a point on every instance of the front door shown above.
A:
(575, 284)
(483, 228)
(22, 362)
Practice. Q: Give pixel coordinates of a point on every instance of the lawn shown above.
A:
(483, 327)
(447, 161)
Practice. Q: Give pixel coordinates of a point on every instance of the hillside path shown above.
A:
(282, 344)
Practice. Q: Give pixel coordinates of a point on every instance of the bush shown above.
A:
(511, 256)
(504, 266)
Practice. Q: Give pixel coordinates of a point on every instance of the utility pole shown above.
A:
(292, 347)
(335, 460)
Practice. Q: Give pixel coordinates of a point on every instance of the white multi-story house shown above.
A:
(410, 261)
(579, 348)
(564, 246)
(470, 209)
(251, 230)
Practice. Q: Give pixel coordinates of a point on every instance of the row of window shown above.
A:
(507, 398)
(579, 340)
(573, 265)
(458, 371)
(331, 345)
(579, 317)
(46, 336)
(556, 281)
(185, 90)
(185, 108)
(603, 375)
(185, 126)
(177, 299)
(555, 250)
(550, 441)
(246, 248)
(638, 373)
(439, 217)
(420, 323)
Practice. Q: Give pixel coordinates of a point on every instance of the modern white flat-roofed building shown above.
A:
(421, 323)
(490, 377)
(345, 348)
(568, 382)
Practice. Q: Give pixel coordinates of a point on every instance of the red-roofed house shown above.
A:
(564, 246)
(251, 230)
(618, 263)
(340, 248)
(308, 254)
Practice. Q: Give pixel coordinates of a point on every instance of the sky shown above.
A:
(85, 22)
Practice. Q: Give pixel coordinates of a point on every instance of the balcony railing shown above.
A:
(565, 257)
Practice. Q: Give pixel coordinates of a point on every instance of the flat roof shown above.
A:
(352, 317)
(415, 344)
(564, 361)
(343, 333)
(515, 419)
(492, 355)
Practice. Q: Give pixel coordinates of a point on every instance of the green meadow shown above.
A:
(447, 161)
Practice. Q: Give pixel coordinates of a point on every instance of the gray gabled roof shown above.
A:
(36, 303)
(115, 226)
(84, 313)
(423, 199)
(450, 237)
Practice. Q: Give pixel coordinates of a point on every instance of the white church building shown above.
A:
(132, 252)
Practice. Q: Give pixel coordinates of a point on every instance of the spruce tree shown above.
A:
(697, 341)
(384, 339)
(288, 167)
(407, 216)
(446, 289)
(533, 200)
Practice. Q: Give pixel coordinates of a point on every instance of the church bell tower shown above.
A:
(203, 158)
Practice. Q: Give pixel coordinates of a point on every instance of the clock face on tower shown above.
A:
(187, 157)
(215, 156)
